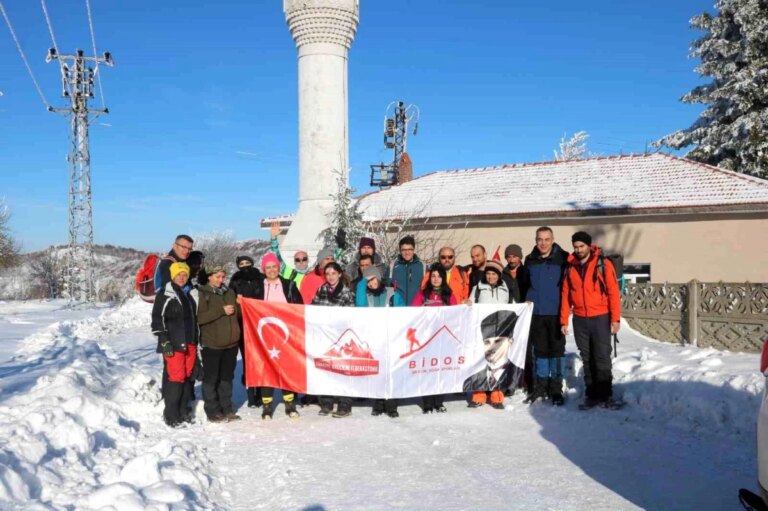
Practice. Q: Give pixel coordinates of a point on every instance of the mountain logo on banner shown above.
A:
(416, 345)
(350, 356)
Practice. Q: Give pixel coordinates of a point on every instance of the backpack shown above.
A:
(145, 277)
(617, 260)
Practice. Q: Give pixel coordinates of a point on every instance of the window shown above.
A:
(637, 273)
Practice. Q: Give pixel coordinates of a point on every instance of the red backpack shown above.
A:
(145, 277)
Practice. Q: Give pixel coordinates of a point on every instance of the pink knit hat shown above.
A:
(268, 258)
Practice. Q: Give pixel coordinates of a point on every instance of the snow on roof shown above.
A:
(636, 182)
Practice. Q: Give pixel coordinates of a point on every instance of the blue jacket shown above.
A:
(406, 279)
(365, 299)
(545, 275)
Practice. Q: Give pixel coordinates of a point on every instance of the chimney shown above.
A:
(405, 167)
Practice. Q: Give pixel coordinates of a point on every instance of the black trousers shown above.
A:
(218, 373)
(593, 338)
(547, 338)
(385, 405)
(345, 403)
(436, 401)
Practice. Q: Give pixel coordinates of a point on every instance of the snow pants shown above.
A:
(593, 338)
(218, 373)
(179, 366)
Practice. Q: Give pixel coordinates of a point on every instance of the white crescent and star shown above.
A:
(263, 322)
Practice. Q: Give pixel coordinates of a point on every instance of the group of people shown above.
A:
(194, 307)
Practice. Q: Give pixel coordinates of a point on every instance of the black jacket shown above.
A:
(174, 318)
(519, 284)
(248, 282)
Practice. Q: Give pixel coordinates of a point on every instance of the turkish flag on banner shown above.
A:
(275, 345)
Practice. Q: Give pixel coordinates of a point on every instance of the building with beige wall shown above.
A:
(673, 219)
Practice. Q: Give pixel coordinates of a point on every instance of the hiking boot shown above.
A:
(426, 410)
(324, 411)
(232, 416)
(376, 412)
(266, 413)
(340, 413)
(475, 404)
(218, 418)
(588, 404)
(290, 410)
(441, 409)
(558, 400)
(611, 404)
(254, 401)
(393, 414)
(539, 391)
(497, 406)
(307, 400)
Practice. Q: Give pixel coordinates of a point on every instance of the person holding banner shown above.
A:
(219, 333)
(371, 292)
(436, 294)
(280, 290)
(407, 270)
(334, 293)
(247, 282)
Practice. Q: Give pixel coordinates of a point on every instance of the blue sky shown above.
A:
(202, 133)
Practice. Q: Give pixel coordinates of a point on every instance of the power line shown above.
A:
(50, 26)
(23, 57)
(93, 42)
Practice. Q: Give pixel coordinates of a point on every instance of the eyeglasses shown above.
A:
(183, 246)
(407, 249)
(300, 259)
(449, 257)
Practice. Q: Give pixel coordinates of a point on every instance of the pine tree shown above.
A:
(345, 216)
(733, 130)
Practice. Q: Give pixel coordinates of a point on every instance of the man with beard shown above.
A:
(366, 247)
(590, 286)
(545, 270)
(499, 373)
(247, 282)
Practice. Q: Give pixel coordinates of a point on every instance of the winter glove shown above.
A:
(341, 239)
(167, 348)
(197, 370)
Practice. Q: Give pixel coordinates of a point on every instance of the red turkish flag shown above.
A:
(275, 354)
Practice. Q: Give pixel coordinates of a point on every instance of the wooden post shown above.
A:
(693, 312)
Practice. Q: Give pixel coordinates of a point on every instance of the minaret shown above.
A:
(323, 31)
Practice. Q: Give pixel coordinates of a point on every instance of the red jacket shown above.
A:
(586, 294)
(310, 284)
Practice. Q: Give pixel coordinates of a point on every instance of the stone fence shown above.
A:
(726, 316)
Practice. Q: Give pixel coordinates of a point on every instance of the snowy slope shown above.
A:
(80, 426)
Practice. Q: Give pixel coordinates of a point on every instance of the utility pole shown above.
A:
(77, 78)
(396, 122)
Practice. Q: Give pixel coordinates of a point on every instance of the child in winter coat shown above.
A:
(174, 322)
(219, 332)
(335, 293)
(435, 294)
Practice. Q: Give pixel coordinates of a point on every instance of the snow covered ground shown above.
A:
(81, 427)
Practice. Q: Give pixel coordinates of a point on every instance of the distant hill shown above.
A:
(39, 274)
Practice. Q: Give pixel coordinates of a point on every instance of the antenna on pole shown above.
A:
(396, 122)
(77, 80)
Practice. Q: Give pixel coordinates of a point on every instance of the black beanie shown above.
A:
(582, 237)
(240, 259)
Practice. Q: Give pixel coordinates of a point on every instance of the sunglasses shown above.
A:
(300, 259)
(446, 257)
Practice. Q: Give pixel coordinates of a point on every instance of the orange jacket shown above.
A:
(586, 295)
(458, 281)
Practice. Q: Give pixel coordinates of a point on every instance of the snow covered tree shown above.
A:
(345, 216)
(219, 249)
(733, 130)
(47, 272)
(573, 148)
(9, 249)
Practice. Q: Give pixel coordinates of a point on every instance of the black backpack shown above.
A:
(617, 260)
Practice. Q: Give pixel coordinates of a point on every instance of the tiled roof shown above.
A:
(637, 182)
